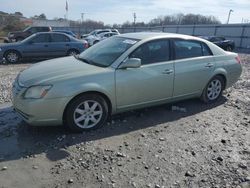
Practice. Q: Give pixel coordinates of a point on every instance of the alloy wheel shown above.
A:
(214, 89)
(12, 57)
(88, 114)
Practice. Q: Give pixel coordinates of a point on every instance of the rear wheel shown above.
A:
(73, 52)
(12, 56)
(213, 90)
(86, 112)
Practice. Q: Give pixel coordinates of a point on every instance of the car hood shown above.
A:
(55, 70)
(9, 45)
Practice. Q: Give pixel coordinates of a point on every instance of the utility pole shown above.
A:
(82, 16)
(229, 14)
(134, 16)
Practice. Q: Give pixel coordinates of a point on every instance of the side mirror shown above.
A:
(131, 63)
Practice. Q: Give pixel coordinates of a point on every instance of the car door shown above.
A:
(60, 44)
(37, 46)
(150, 83)
(194, 66)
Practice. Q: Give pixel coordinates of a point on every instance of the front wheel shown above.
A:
(86, 112)
(12, 56)
(213, 90)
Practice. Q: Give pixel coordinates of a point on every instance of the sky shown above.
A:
(119, 11)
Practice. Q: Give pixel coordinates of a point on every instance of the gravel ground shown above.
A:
(204, 146)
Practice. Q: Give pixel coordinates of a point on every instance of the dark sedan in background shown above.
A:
(42, 46)
(222, 42)
(66, 32)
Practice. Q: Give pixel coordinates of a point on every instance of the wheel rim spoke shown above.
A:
(80, 111)
(86, 105)
(81, 118)
(86, 122)
(93, 107)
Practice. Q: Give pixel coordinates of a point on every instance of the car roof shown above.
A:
(149, 35)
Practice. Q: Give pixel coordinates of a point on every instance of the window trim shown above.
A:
(202, 44)
(155, 40)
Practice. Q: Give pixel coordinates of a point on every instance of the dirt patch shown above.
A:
(201, 146)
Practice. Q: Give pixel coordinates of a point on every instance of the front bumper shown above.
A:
(38, 112)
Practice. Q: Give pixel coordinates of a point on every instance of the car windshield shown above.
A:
(28, 38)
(104, 53)
(26, 29)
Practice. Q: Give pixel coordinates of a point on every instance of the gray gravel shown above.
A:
(201, 146)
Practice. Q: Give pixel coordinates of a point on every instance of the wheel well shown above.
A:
(90, 92)
(224, 79)
(12, 51)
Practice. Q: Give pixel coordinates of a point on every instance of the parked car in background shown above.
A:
(20, 35)
(66, 32)
(122, 73)
(93, 39)
(99, 31)
(222, 42)
(42, 45)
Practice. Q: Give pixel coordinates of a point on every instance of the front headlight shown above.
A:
(11, 35)
(36, 92)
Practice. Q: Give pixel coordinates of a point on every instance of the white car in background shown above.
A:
(93, 39)
(99, 31)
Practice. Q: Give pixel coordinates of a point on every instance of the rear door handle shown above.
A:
(66, 44)
(209, 65)
(45, 45)
(167, 71)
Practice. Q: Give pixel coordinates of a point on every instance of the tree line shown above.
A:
(11, 22)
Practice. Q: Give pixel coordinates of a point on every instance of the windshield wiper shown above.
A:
(89, 61)
(82, 59)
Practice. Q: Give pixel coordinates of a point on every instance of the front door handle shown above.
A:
(45, 45)
(209, 65)
(167, 71)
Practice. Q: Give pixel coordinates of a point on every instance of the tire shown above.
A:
(213, 90)
(72, 52)
(229, 48)
(12, 56)
(79, 115)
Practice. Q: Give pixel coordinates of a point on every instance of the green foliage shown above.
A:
(10, 22)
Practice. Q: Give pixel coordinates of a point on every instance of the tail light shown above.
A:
(238, 59)
(85, 45)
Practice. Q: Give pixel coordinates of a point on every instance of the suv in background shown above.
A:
(20, 35)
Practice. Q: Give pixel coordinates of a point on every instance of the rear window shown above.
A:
(189, 49)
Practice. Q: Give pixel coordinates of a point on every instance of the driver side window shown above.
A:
(153, 52)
